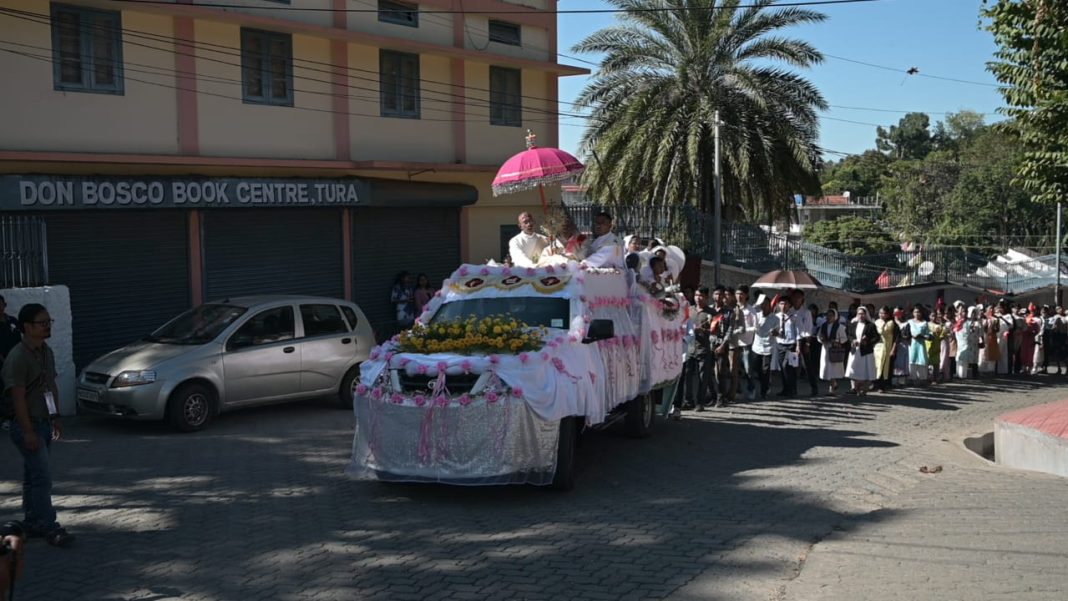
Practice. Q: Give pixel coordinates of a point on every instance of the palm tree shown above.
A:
(668, 66)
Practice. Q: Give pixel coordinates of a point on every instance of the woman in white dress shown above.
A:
(863, 335)
(832, 337)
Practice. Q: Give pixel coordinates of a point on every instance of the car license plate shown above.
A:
(88, 395)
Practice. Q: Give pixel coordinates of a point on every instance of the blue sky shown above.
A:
(939, 37)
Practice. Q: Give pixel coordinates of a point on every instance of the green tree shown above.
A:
(664, 75)
(986, 212)
(958, 130)
(1032, 64)
(860, 174)
(851, 235)
(909, 139)
(915, 194)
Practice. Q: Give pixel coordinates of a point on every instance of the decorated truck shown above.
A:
(506, 367)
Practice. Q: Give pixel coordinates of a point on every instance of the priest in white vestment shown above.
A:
(606, 249)
(525, 248)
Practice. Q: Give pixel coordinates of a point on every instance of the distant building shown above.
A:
(826, 208)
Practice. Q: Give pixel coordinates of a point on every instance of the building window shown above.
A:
(398, 13)
(86, 49)
(398, 80)
(506, 89)
(267, 67)
(505, 33)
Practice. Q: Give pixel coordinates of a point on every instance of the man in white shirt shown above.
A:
(525, 248)
(767, 329)
(750, 315)
(787, 341)
(606, 249)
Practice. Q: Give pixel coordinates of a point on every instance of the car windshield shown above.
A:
(533, 310)
(197, 326)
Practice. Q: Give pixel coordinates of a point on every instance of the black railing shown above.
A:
(23, 252)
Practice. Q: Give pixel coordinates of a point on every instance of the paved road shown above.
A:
(783, 500)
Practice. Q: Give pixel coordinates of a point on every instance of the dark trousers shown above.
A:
(812, 363)
(759, 372)
(789, 372)
(702, 380)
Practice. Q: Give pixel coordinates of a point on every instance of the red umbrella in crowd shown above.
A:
(535, 167)
(787, 279)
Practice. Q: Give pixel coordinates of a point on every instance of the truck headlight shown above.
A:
(134, 378)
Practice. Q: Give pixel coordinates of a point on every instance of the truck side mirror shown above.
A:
(600, 329)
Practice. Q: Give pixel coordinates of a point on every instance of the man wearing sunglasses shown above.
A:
(29, 376)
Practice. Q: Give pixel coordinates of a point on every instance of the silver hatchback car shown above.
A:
(229, 354)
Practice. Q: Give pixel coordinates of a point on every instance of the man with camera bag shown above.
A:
(29, 376)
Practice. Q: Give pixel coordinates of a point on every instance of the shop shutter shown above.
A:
(388, 241)
(128, 273)
(272, 251)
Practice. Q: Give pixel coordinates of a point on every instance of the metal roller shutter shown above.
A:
(128, 273)
(388, 241)
(280, 251)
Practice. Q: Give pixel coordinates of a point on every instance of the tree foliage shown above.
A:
(909, 139)
(664, 75)
(851, 235)
(860, 174)
(1032, 63)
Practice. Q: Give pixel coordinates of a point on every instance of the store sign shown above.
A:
(50, 192)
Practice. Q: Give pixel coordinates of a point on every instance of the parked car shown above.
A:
(229, 354)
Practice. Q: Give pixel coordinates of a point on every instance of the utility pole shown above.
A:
(1057, 287)
(717, 210)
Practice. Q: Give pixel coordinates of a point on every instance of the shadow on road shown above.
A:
(258, 506)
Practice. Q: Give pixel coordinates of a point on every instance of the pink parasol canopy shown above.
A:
(534, 167)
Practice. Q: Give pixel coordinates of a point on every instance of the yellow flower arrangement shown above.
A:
(494, 334)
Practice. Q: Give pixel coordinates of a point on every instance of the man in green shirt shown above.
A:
(29, 376)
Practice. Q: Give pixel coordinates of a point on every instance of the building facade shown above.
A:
(179, 153)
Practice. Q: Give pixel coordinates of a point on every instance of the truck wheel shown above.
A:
(564, 478)
(344, 392)
(640, 415)
(190, 407)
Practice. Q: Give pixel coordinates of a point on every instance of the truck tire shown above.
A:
(640, 416)
(564, 477)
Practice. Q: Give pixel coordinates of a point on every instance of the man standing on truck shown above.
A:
(606, 249)
(525, 248)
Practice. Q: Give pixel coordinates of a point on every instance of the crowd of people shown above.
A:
(736, 346)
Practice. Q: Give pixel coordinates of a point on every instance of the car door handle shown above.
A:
(289, 349)
(346, 340)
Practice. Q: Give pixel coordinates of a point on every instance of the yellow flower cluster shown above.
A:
(495, 334)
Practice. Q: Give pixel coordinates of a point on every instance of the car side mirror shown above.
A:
(600, 329)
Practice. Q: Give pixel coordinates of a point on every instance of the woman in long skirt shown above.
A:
(919, 334)
(1027, 341)
(832, 337)
(884, 348)
(863, 336)
(968, 333)
(904, 342)
(991, 355)
(936, 346)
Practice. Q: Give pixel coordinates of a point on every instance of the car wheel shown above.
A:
(640, 415)
(345, 392)
(564, 477)
(190, 407)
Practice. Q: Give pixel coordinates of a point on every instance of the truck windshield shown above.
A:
(197, 326)
(535, 311)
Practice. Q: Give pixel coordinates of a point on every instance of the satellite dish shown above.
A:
(926, 269)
